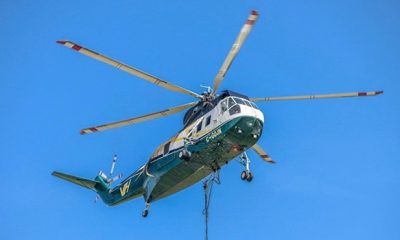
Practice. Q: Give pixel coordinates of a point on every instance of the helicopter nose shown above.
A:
(250, 126)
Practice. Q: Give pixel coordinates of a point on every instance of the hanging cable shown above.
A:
(207, 187)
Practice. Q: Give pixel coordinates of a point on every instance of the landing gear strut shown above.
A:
(246, 174)
(146, 210)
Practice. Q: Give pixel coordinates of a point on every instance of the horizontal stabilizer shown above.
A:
(77, 180)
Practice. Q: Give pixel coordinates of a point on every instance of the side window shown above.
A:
(224, 107)
(208, 120)
(199, 126)
(166, 147)
(195, 110)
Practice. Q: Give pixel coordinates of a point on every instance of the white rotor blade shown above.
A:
(234, 50)
(102, 174)
(116, 178)
(262, 153)
(146, 117)
(129, 69)
(321, 96)
(113, 165)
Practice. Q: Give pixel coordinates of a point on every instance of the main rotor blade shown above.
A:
(321, 96)
(129, 69)
(262, 153)
(234, 50)
(146, 117)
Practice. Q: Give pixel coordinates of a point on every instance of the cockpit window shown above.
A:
(239, 101)
(230, 102)
(235, 109)
(247, 103)
(224, 107)
(254, 105)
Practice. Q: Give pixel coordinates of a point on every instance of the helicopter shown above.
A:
(217, 128)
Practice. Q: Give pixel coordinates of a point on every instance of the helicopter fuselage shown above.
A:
(213, 138)
(216, 129)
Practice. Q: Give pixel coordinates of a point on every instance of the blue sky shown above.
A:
(337, 171)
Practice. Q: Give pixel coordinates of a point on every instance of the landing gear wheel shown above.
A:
(244, 175)
(145, 213)
(249, 177)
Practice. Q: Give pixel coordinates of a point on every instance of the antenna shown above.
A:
(209, 89)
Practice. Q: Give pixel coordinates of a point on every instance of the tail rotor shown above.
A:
(109, 179)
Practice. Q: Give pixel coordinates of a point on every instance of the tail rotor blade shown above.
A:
(103, 175)
(113, 164)
(116, 178)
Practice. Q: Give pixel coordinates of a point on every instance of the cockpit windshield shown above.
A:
(230, 102)
(253, 105)
(241, 101)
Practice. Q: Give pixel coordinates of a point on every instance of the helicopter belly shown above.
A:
(209, 153)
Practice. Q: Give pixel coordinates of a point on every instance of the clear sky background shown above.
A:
(337, 171)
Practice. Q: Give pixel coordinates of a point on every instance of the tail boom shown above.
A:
(127, 190)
